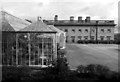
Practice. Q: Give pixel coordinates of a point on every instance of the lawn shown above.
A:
(105, 54)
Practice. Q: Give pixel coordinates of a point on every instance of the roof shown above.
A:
(12, 23)
(80, 23)
(38, 26)
(55, 29)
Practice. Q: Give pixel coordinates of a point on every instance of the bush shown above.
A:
(96, 71)
(14, 73)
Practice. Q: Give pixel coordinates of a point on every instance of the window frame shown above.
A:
(102, 30)
(66, 30)
(79, 37)
(80, 30)
(102, 37)
(86, 30)
(73, 30)
(92, 37)
(108, 37)
(85, 37)
(109, 30)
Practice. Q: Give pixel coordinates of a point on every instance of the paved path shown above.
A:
(92, 53)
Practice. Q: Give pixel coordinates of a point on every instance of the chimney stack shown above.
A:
(56, 18)
(39, 18)
(80, 19)
(87, 19)
(71, 18)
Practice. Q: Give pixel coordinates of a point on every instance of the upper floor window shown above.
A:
(109, 30)
(60, 29)
(102, 30)
(86, 30)
(102, 37)
(66, 30)
(80, 30)
(73, 30)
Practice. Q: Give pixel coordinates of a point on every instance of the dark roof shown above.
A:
(11, 23)
(38, 26)
(81, 23)
(6, 26)
(55, 29)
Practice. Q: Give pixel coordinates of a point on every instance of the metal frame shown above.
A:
(18, 44)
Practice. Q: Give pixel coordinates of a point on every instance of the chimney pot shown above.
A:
(80, 19)
(71, 18)
(56, 18)
(87, 19)
(39, 18)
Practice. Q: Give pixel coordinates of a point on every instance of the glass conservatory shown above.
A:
(60, 36)
(35, 45)
(28, 48)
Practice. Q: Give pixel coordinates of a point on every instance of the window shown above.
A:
(86, 30)
(73, 38)
(93, 30)
(73, 30)
(108, 37)
(85, 37)
(80, 30)
(66, 30)
(79, 37)
(102, 30)
(66, 38)
(60, 29)
(102, 37)
(92, 37)
(109, 30)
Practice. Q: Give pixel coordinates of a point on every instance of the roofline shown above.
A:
(83, 20)
(30, 31)
(84, 25)
(15, 17)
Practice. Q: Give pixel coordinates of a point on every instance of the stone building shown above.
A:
(85, 30)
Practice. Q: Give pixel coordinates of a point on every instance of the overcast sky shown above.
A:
(30, 9)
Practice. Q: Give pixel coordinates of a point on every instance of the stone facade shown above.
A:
(85, 30)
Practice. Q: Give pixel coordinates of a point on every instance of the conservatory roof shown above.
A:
(55, 29)
(38, 26)
(11, 23)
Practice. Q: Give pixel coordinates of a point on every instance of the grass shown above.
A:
(103, 54)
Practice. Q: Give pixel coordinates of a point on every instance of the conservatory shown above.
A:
(60, 37)
(34, 45)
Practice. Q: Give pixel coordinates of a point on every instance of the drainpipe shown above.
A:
(96, 31)
(90, 34)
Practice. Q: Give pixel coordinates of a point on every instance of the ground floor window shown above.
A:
(79, 37)
(108, 37)
(73, 39)
(66, 38)
(101, 37)
(85, 37)
(92, 38)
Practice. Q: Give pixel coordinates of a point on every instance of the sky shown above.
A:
(31, 9)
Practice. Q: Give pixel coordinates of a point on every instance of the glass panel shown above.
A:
(8, 48)
(27, 49)
(23, 53)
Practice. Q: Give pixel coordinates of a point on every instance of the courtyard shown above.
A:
(84, 54)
